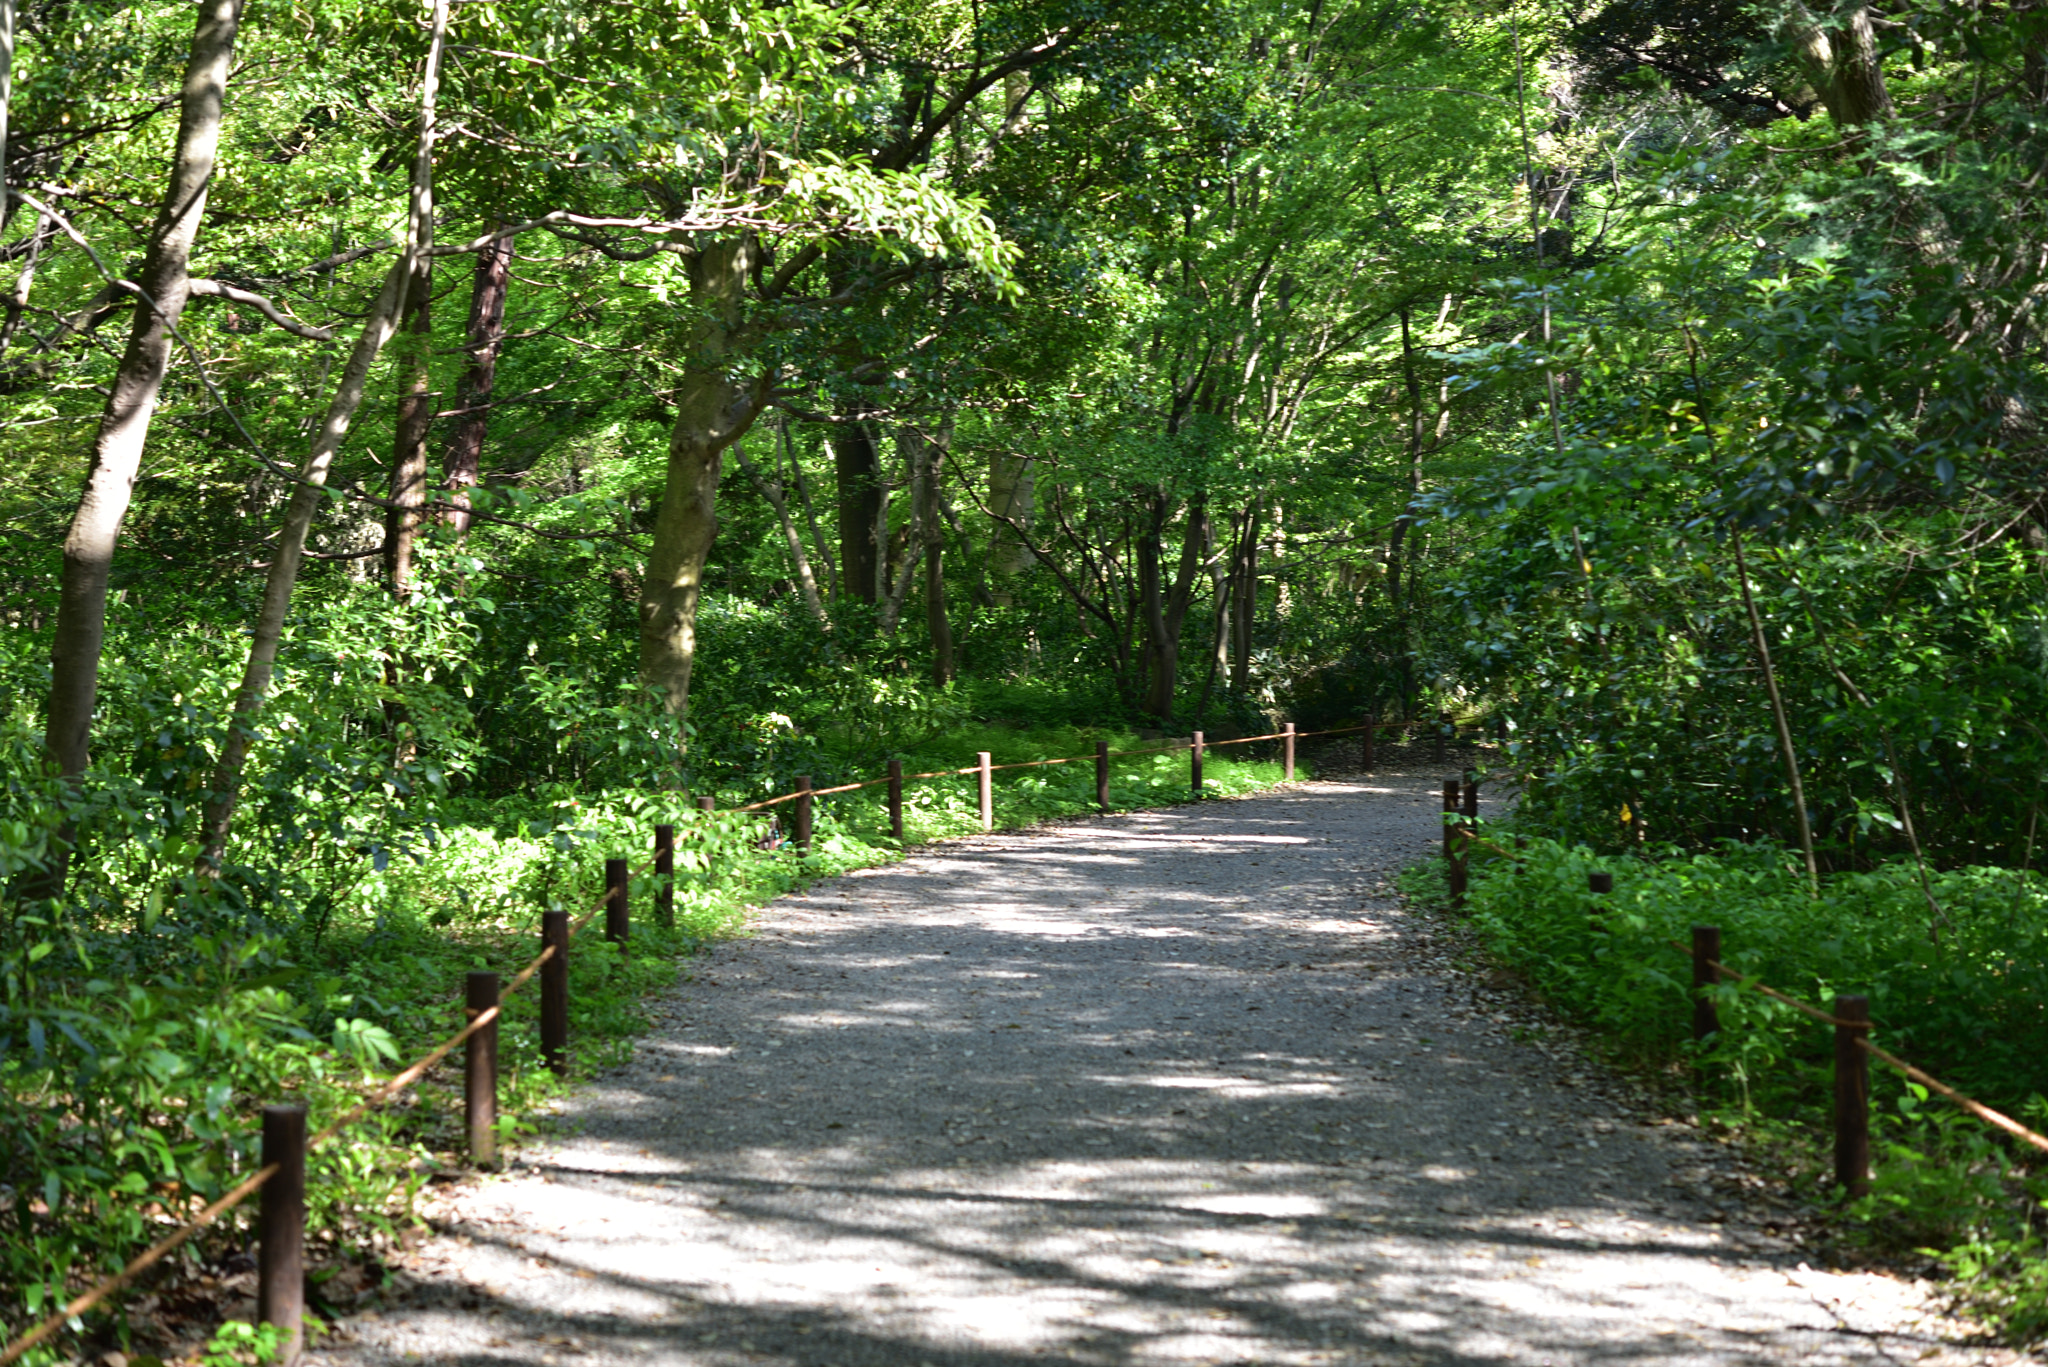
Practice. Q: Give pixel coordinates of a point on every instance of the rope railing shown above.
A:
(962, 772)
(487, 1018)
(379, 1096)
(1850, 1020)
(1861, 1035)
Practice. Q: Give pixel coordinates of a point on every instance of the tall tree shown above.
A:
(164, 287)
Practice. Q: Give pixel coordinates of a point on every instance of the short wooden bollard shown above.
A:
(1454, 846)
(1443, 725)
(1372, 724)
(665, 876)
(706, 805)
(802, 819)
(896, 798)
(1195, 764)
(554, 991)
(618, 924)
(1287, 751)
(1852, 1096)
(1450, 814)
(281, 1230)
(1706, 952)
(480, 1069)
(985, 782)
(1102, 774)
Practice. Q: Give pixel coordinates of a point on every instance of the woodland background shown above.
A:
(440, 441)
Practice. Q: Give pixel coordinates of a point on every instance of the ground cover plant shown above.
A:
(1949, 959)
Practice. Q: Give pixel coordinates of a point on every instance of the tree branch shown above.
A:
(220, 289)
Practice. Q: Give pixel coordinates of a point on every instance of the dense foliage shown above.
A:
(444, 440)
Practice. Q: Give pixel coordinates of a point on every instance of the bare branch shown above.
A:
(220, 289)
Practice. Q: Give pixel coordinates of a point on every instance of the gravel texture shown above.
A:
(1183, 1086)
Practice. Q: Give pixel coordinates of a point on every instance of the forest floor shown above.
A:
(1181, 1086)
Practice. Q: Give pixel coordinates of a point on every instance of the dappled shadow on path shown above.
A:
(1167, 1088)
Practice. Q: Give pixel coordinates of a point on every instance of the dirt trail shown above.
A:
(1165, 1088)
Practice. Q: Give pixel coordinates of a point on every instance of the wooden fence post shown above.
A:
(706, 805)
(1472, 799)
(803, 813)
(618, 925)
(281, 1229)
(665, 876)
(1287, 750)
(1195, 764)
(1706, 952)
(1450, 811)
(985, 781)
(1102, 774)
(896, 798)
(480, 1070)
(1372, 725)
(554, 991)
(1600, 885)
(1852, 1096)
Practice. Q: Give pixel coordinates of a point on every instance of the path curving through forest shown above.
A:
(1176, 1087)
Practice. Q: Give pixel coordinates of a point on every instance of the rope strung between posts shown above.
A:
(419, 1069)
(1862, 1029)
(156, 1252)
(1038, 763)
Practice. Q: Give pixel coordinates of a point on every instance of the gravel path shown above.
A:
(1170, 1088)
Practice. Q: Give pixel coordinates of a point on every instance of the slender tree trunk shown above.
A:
(858, 467)
(1778, 717)
(6, 83)
(713, 410)
(807, 582)
(462, 462)
(17, 302)
(408, 489)
(898, 566)
(822, 555)
(1244, 602)
(415, 416)
(1012, 494)
(131, 403)
(932, 531)
(305, 501)
(1163, 608)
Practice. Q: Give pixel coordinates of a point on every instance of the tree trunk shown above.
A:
(298, 520)
(7, 102)
(937, 623)
(124, 422)
(1012, 493)
(1841, 61)
(899, 562)
(17, 302)
(415, 417)
(462, 462)
(1162, 609)
(807, 582)
(713, 410)
(1244, 603)
(821, 554)
(858, 467)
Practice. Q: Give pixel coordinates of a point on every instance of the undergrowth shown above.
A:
(1954, 963)
(138, 1044)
